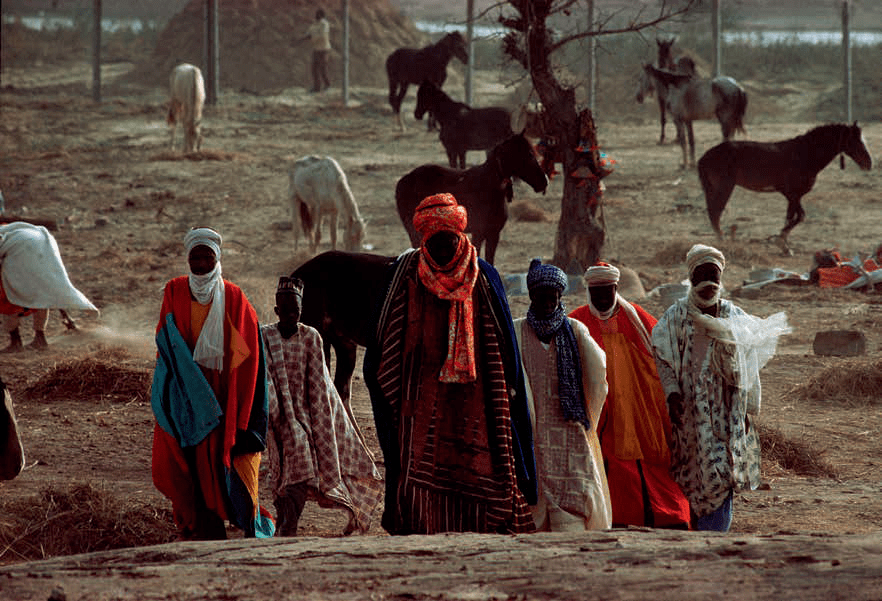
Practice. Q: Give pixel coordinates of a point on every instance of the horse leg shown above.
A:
(678, 123)
(396, 97)
(662, 116)
(333, 221)
(490, 247)
(691, 140)
(795, 216)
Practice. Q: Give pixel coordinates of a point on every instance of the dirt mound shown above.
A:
(259, 51)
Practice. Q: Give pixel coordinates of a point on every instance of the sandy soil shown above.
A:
(123, 203)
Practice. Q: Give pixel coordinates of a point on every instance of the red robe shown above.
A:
(234, 386)
(635, 427)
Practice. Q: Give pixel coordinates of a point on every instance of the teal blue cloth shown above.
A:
(183, 402)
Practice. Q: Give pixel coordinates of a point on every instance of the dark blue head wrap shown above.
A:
(539, 275)
(556, 325)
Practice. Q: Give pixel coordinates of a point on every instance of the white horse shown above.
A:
(187, 100)
(317, 186)
(11, 449)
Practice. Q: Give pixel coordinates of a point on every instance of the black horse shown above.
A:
(341, 290)
(789, 167)
(462, 128)
(11, 450)
(484, 190)
(407, 66)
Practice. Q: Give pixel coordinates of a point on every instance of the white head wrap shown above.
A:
(208, 288)
(601, 274)
(701, 254)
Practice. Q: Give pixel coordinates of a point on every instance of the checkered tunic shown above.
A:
(311, 437)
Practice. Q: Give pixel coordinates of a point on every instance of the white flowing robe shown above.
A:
(715, 446)
(33, 274)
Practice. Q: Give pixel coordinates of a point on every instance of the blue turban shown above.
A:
(539, 276)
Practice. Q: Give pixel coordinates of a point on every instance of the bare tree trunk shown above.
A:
(570, 139)
(581, 231)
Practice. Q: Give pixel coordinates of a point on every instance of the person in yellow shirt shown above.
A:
(319, 35)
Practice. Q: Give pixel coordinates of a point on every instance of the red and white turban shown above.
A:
(438, 213)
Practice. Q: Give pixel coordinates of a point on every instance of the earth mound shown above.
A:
(259, 48)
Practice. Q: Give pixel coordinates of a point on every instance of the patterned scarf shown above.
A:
(569, 362)
(453, 282)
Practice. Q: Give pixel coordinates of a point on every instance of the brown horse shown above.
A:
(407, 66)
(789, 167)
(484, 191)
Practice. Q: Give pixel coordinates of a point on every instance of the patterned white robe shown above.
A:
(715, 446)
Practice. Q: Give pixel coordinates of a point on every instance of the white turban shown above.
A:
(204, 236)
(701, 254)
(208, 288)
(600, 275)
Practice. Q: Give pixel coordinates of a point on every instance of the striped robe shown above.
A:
(458, 457)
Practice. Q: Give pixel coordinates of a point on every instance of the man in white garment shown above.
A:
(708, 353)
(33, 281)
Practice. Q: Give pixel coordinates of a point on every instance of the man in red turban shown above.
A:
(447, 389)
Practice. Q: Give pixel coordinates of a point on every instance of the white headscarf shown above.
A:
(601, 274)
(208, 288)
(604, 274)
(701, 254)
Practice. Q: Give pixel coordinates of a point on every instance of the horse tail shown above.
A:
(715, 202)
(305, 217)
(740, 109)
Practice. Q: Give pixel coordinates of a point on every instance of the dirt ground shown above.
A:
(122, 202)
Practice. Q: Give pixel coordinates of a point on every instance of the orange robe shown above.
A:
(212, 474)
(635, 427)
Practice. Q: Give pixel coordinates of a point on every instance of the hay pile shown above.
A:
(793, 455)
(107, 374)
(853, 382)
(258, 49)
(79, 519)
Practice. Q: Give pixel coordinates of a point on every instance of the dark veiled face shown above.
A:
(442, 246)
(544, 300)
(201, 260)
(288, 308)
(707, 272)
(603, 297)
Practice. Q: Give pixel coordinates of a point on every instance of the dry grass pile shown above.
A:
(200, 155)
(793, 455)
(672, 254)
(79, 519)
(525, 210)
(259, 48)
(107, 374)
(851, 382)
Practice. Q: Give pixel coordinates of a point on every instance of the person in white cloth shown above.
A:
(565, 371)
(315, 449)
(34, 280)
(708, 353)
